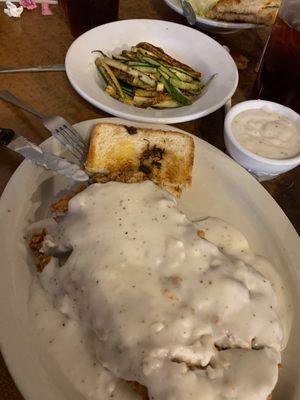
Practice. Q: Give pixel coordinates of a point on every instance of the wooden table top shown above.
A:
(37, 39)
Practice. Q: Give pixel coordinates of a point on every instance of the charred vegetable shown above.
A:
(146, 76)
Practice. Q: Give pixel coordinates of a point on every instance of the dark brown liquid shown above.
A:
(87, 14)
(279, 75)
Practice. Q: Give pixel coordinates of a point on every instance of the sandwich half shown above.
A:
(261, 12)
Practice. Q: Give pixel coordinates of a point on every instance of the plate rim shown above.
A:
(135, 116)
(18, 378)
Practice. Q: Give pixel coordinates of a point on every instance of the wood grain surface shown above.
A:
(37, 39)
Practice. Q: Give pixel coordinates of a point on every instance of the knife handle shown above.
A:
(6, 136)
(15, 142)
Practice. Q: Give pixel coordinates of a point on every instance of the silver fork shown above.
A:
(58, 126)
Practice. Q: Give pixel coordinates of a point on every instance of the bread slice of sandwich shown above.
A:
(128, 154)
(253, 11)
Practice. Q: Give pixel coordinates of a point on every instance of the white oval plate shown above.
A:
(211, 25)
(221, 188)
(186, 44)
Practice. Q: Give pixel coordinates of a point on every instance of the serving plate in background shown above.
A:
(221, 188)
(186, 44)
(211, 25)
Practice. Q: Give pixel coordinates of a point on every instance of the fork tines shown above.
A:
(66, 135)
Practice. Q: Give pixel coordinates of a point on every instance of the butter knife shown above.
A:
(33, 68)
(40, 157)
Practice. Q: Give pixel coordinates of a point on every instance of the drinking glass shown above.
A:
(87, 14)
(278, 77)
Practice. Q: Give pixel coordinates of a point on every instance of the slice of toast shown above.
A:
(128, 154)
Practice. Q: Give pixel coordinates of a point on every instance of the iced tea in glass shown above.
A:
(87, 14)
(278, 78)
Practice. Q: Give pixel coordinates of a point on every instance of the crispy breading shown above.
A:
(36, 243)
(62, 204)
(201, 234)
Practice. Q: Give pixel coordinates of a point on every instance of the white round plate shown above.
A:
(186, 44)
(211, 25)
(221, 188)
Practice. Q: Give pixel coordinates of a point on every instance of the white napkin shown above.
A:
(12, 10)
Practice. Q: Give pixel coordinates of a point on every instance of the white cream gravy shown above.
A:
(267, 134)
(146, 299)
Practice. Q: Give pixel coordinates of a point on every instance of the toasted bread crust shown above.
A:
(130, 155)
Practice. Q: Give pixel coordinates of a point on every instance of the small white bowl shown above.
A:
(263, 168)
